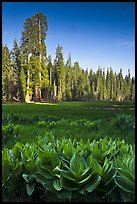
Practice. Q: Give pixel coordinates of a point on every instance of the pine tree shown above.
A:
(22, 85)
(16, 66)
(129, 86)
(6, 74)
(99, 89)
(59, 73)
(111, 84)
(108, 84)
(114, 87)
(103, 85)
(133, 89)
(50, 77)
(121, 85)
(75, 87)
(91, 82)
(86, 86)
(68, 79)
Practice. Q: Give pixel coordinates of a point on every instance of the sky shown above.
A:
(94, 33)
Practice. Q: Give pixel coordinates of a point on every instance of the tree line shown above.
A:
(28, 74)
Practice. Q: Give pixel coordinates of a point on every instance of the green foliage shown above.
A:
(10, 132)
(124, 122)
(125, 178)
(7, 74)
(71, 169)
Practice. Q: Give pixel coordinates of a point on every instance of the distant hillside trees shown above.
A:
(28, 74)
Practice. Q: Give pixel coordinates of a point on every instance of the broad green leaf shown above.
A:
(55, 159)
(26, 177)
(30, 166)
(69, 184)
(18, 169)
(94, 184)
(127, 174)
(39, 178)
(125, 184)
(30, 188)
(57, 185)
(85, 179)
(67, 174)
(44, 172)
(77, 164)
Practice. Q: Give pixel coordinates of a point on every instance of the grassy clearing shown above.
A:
(70, 110)
(78, 120)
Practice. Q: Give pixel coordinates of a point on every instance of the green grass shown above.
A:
(64, 113)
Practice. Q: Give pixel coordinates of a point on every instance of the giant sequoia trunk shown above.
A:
(37, 96)
(27, 95)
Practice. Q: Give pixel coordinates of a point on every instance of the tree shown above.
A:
(50, 77)
(76, 84)
(59, 73)
(27, 46)
(33, 46)
(120, 78)
(99, 84)
(114, 86)
(108, 84)
(133, 89)
(16, 66)
(6, 74)
(22, 85)
(111, 83)
(128, 86)
(68, 79)
(86, 85)
(40, 28)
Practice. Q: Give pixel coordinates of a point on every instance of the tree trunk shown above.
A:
(36, 96)
(27, 96)
(55, 92)
(40, 57)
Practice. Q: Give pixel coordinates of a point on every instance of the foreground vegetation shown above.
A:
(70, 170)
(68, 151)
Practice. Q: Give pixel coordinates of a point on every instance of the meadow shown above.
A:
(73, 150)
(94, 120)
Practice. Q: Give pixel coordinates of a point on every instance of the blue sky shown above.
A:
(95, 33)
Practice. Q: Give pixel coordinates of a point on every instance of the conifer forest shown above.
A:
(28, 74)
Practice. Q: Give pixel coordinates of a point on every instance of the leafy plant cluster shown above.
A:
(10, 132)
(50, 121)
(69, 170)
(12, 118)
(124, 122)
